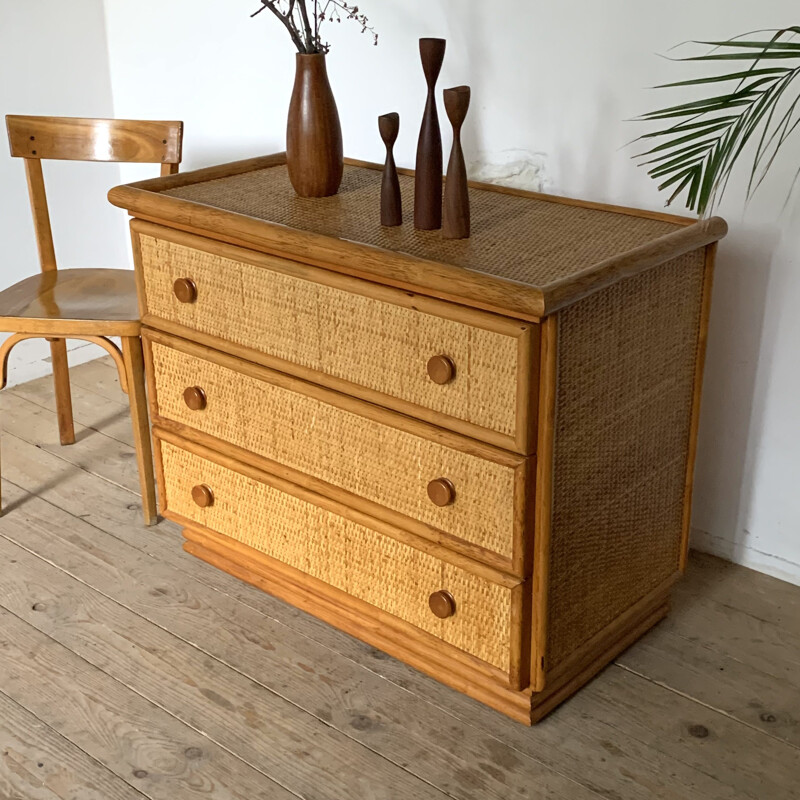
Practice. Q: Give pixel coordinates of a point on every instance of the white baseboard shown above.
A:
(746, 556)
(31, 359)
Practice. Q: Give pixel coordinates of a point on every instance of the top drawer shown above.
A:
(358, 337)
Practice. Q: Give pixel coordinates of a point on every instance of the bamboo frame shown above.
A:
(472, 288)
(705, 313)
(543, 503)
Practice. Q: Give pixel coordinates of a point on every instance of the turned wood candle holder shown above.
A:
(428, 179)
(456, 223)
(391, 201)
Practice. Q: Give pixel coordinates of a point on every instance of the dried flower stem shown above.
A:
(309, 36)
(286, 20)
(294, 16)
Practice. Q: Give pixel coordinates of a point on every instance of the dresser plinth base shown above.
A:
(420, 650)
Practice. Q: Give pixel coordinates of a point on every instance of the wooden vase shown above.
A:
(428, 179)
(456, 224)
(314, 150)
(391, 201)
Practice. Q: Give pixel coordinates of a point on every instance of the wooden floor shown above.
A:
(130, 670)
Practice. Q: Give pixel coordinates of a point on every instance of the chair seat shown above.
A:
(85, 301)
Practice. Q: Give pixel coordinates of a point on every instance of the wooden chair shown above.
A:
(87, 304)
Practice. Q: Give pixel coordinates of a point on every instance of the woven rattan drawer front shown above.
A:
(345, 333)
(276, 418)
(391, 575)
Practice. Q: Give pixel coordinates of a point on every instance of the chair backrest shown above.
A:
(76, 139)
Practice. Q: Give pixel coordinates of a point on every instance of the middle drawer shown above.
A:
(389, 465)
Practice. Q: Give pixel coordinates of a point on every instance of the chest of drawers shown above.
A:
(476, 456)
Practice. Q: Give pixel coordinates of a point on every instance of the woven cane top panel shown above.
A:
(521, 239)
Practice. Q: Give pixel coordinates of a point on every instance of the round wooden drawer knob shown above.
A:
(185, 290)
(441, 369)
(441, 492)
(442, 604)
(195, 398)
(203, 496)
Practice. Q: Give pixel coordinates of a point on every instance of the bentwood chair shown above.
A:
(87, 304)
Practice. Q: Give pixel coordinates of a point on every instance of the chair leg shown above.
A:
(134, 370)
(58, 353)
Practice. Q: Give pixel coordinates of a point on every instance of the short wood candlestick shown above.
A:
(428, 179)
(391, 202)
(456, 194)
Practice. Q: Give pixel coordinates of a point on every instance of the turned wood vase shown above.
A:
(314, 149)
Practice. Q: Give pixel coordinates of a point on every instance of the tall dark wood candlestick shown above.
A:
(428, 180)
(391, 205)
(456, 193)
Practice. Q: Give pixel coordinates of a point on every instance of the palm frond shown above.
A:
(701, 140)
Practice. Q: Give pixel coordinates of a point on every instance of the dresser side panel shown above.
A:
(622, 432)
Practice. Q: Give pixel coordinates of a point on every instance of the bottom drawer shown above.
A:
(370, 566)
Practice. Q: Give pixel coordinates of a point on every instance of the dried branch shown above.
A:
(286, 20)
(308, 39)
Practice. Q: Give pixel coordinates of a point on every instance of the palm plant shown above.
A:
(754, 102)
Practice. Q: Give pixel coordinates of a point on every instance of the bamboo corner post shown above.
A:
(456, 194)
(391, 201)
(428, 179)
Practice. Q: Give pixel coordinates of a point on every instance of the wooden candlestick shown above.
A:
(456, 194)
(428, 180)
(391, 205)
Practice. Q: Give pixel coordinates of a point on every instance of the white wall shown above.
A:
(555, 79)
(54, 61)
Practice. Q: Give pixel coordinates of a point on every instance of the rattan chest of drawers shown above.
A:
(477, 456)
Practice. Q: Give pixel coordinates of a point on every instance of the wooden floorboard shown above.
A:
(752, 593)
(381, 716)
(265, 731)
(132, 738)
(89, 408)
(378, 715)
(38, 764)
(704, 706)
(746, 667)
